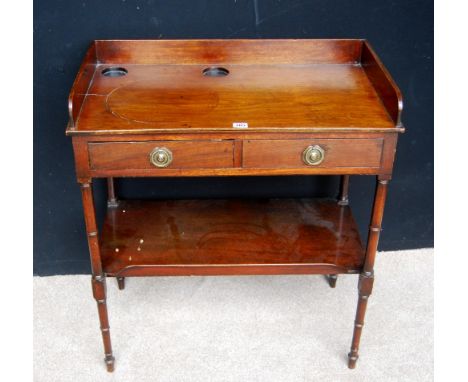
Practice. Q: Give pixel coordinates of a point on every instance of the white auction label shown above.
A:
(240, 125)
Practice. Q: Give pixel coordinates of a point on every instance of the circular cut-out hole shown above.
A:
(114, 72)
(215, 72)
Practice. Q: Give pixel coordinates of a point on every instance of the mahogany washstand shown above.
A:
(165, 108)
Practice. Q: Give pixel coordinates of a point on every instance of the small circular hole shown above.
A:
(114, 72)
(215, 72)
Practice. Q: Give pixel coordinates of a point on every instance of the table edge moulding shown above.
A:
(191, 108)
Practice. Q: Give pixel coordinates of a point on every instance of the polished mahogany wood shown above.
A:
(180, 97)
(134, 161)
(198, 237)
(291, 51)
(338, 153)
(383, 83)
(98, 280)
(366, 278)
(81, 84)
(135, 155)
(232, 108)
(275, 84)
(255, 154)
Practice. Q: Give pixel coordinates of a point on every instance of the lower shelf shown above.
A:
(230, 237)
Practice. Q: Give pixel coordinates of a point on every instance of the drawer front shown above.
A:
(179, 154)
(326, 153)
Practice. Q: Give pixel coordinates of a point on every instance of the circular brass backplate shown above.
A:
(313, 155)
(161, 157)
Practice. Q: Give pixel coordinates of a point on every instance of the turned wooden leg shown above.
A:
(121, 282)
(343, 195)
(99, 293)
(98, 279)
(332, 280)
(366, 278)
(111, 198)
(366, 281)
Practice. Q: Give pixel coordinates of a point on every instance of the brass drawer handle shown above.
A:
(161, 157)
(313, 155)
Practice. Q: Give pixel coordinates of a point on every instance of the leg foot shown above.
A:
(109, 360)
(99, 292)
(366, 282)
(332, 280)
(112, 203)
(121, 282)
(343, 202)
(111, 199)
(344, 186)
(352, 359)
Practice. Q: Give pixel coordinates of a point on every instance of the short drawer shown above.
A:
(323, 153)
(158, 155)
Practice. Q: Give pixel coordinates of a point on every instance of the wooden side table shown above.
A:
(182, 108)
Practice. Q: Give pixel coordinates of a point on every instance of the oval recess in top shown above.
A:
(215, 71)
(114, 72)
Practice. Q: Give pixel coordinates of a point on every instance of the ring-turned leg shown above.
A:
(99, 293)
(121, 282)
(366, 279)
(98, 279)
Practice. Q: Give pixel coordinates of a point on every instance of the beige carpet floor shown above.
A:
(264, 328)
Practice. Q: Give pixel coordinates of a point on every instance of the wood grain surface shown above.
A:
(273, 99)
(135, 155)
(270, 236)
(272, 84)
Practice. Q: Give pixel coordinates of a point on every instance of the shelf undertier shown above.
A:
(230, 237)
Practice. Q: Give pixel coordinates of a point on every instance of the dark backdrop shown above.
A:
(400, 31)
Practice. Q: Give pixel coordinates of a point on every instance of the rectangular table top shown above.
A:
(126, 87)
